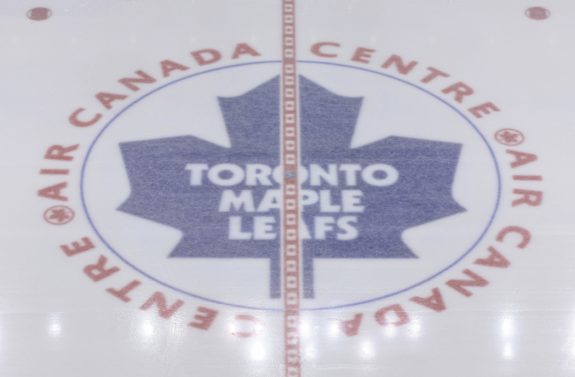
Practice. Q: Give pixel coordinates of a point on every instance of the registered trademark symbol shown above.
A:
(537, 13)
(59, 215)
(39, 13)
(509, 136)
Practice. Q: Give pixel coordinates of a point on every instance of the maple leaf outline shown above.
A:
(161, 192)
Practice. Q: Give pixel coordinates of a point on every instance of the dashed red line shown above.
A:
(291, 245)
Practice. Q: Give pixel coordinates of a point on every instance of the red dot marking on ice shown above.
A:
(59, 215)
(509, 136)
(538, 13)
(39, 14)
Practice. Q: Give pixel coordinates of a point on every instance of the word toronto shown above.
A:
(326, 201)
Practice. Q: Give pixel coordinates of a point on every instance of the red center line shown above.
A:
(291, 246)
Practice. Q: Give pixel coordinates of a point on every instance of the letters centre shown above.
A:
(252, 197)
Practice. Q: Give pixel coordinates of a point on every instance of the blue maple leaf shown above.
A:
(161, 190)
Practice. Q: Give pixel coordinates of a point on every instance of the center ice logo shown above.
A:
(356, 202)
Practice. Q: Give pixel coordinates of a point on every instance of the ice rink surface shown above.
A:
(261, 188)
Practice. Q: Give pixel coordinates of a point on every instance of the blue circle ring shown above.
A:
(136, 101)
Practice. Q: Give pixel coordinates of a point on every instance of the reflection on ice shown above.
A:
(414, 329)
(367, 350)
(508, 351)
(390, 331)
(333, 329)
(310, 352)
(508, 326)
(147, 328)
(55, 325)
(257, 351)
